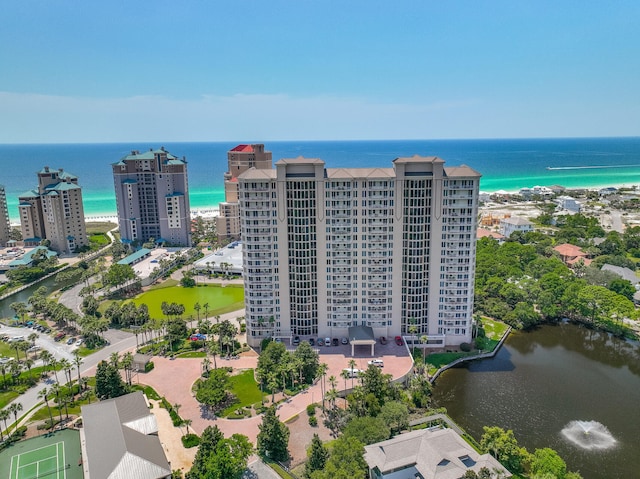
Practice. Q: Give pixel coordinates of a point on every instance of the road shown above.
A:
(123, 342)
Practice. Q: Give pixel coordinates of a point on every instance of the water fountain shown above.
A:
(588, 435)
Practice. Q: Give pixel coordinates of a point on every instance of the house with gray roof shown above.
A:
(624, 273)
(120, 440)
(426, 454)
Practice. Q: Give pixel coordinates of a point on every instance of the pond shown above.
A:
(561, 386)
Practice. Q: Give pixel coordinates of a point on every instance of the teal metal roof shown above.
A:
(29, 194)
(27, 258)
(63, 186)
(150, 155)
(141, 253)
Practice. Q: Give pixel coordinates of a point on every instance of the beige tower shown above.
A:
(5, 226)
(239, 159)
(54, 211)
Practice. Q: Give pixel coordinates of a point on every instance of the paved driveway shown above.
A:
(174, 380)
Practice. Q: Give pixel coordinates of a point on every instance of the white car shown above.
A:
(79, 342)
(352, 373)
(376, 362)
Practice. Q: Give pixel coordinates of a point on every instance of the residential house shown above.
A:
(427, 454)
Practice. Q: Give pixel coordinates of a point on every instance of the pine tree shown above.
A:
(273, 438)
(318, 456)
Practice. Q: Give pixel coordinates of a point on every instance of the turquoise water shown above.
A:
(505, 164)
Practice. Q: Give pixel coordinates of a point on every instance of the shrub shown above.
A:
(311, 409)
(149, 367)
(313, 421)
(190, 440)
(466, 347)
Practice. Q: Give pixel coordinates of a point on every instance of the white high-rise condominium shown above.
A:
(329, 248)
(5, 226)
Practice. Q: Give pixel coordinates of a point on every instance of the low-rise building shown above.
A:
(513, 224)
(571, 254)
(624, 273)
(120, 440)
(427, 454)
(570, 204)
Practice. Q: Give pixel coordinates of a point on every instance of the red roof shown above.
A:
(569, 250)
(243, 148)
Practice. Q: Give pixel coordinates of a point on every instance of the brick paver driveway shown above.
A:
(173, 379)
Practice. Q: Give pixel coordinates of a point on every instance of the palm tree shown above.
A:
(424, 339)
(206, 365)
(43, 395)
(55, 389)
(15, 408)
(332, 395)
(352, 366)
(413, 330)
(4, 415)
(29, 364)
(187, 423)
(197, 308)
(272, 383)
(176, 408)
(77, 360)
(114, 359)
(206, 309)
(66, 367)
(345, 375)
(322, 372)
(3, 369)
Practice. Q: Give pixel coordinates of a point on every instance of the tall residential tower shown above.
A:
(54, 211)
(239, 160)
(152, 195)
(389, 248)
(5, 225)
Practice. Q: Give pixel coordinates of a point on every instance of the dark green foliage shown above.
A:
(466, 347)
(190, 440)
(313, 421)
(149, 367)
(317, 456)
(311, 409)
(346, 461)
(504, 447)
(368, 430)
(109, 383)
(214, 391)
(273, 438)
(220, 458)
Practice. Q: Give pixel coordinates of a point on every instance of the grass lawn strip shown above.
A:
(221, 300)
(246, 390)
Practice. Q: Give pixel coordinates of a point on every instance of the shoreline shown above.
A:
(212, 211)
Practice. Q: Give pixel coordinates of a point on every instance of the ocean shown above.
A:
(504, 164)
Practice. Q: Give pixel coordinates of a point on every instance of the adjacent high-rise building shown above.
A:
(239, 159)
(54, 211)
(5, 225)
(325, 249)
(152, 196)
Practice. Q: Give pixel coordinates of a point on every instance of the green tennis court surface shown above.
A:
(47, 461)
(49, 456)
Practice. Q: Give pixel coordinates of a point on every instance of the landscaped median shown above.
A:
(490, 335)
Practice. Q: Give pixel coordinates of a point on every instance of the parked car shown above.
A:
(344, 340)
(335, 342)
(376, 362)
(59, 336)
(399, 341)
(352, 373)
(70, 341)
(34, 348)
(79, 342)
(327, 341)
(383, 340)
(320, 342)
(296, 340)
(312, 341)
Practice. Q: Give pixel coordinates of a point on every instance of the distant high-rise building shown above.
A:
(152, 196)
(5, 225)
(239, 159)
(325, 249)
(54, 211)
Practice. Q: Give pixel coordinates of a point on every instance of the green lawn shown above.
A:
(494, 329)
(245, 389)
(221, 300)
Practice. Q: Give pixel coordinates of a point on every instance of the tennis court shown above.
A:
(46, 461)
(50, 456)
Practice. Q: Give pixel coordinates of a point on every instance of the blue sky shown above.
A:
(74, 71)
